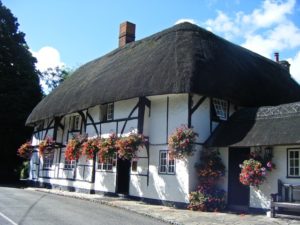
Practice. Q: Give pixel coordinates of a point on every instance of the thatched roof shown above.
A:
(279, 125)
(182, 59)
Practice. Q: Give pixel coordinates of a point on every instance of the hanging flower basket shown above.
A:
(128, 146)
(73, 148)
(181, 141)
(46, 146)
(107, 147)
(90, 148)
(25, 150)
(253, 173)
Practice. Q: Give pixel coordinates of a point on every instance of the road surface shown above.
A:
(24, 207)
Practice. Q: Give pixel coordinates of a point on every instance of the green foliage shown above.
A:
(208, 196)
(19, 90)
(55, 76)
(24, 172)
(207, 199)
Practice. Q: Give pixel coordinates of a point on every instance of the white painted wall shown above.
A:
(260, 198)
(162, 186)
(158, 126)
(158, 120)
(123, 108)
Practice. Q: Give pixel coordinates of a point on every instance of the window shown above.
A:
(220, 108)
(48, 160)
(69, 164)
(108, 164)
(107, 112)
(75, 122)
(110, 111)
(166, 164)
(293, 162)
(134, 166)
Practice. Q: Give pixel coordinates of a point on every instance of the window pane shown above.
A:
(221, 107)
(110, 111)
(134, 166)
(171, 169)
(163, 169)
(163, 162)
(297, 171)
(69, 164)
(106, 165)
(294, 162)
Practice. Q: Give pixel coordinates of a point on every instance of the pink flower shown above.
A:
(269, 164)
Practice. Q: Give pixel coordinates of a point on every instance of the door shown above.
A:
(238, 194)
(123, 176)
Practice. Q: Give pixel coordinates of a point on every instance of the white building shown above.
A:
(182, 75)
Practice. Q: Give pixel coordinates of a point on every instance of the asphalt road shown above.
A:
(24, 207)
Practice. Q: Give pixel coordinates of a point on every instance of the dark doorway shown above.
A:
(123, 176)
(238, 194)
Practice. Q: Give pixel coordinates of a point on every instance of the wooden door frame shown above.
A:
(117, 178)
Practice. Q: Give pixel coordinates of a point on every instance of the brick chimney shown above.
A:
(285, 64)
(127, 33)
(276, 54)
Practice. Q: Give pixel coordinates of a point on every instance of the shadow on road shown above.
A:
(17, 184)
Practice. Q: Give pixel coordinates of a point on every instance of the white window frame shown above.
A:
(110, 111)
(69, 164)
(293, 168)
(221, 108)
(48, 160)
(166, 165)
(108, 165)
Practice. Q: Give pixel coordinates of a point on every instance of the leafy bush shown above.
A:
(208, 196)
(24, 172)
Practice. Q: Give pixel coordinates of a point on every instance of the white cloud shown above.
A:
(275, 39)
(295, 67)
(222, 23)
(186, 20)
(271, 12)
(265, 30)
(47, 57)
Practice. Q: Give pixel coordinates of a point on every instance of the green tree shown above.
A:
(54, 76)
(19, 92)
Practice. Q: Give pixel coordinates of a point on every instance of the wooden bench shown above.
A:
(284, 199)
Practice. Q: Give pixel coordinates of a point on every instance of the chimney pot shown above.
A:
(276, 54)
(127, 33)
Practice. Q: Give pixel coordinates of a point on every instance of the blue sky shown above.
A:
(71, 33)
